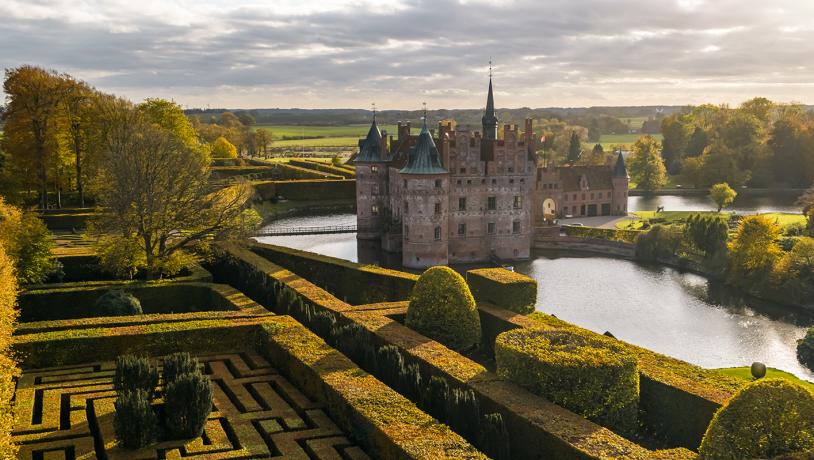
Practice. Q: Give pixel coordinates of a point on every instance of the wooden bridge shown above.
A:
(281, 231)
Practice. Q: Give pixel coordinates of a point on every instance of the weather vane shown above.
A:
(490, 66)
(373, 106)
(424, 104)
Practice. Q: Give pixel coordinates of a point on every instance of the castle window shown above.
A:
(374, 169)
(374, 210)
(437, 183)
(437, 208)
(490, 228)
(406, 232)
(405, 184)
(511, 170)
(461, 229)
(583, 196)
(463, 170)
(469, 182)
(375, 189)
(565, 197)
(483, 181)
(518, 202)
(575, 197)
(462, 204)
(511, 181)
(437, 233)
(592, 196)
(523, 181)
(406, 208)
(516, 226)
(458, 181)
(491, 203)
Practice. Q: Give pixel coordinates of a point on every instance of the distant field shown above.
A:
(625, 140)
(321, 135)
(633, 122)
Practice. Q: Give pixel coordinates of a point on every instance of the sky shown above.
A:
(399, 53)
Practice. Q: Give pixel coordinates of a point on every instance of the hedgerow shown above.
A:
(767, 418)
(627, 236)
(442, 308)
(504, 288)
(590, 375)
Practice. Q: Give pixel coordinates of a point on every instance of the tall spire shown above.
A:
(489, 119)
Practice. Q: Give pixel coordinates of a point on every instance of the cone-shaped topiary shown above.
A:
(805, 349)
(187, 404)
(767, 418)
(178, 364)
(442, 308)
(135, 373)
(118, 303)
(135, 422)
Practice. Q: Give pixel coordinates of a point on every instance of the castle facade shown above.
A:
(451, 196)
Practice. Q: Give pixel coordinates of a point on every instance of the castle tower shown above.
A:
(425, 205)
(371, 184)
(620, 181)
(489, 122)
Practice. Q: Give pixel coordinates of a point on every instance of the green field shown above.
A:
(608, 141)
(633, 122)
(745, 373)
(291, 136)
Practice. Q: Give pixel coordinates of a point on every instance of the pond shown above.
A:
(679, 314)
(743, 203)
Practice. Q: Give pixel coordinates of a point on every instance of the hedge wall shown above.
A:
(504, 288)
(85, 269)
(323, 167)
(354, 283)
(677, 399)
(627, 236)
(321, 189)
(79, 302)
(589, 374)
(386, 423)
(68, 220)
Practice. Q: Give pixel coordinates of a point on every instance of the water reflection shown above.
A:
(743, 203)
(678, 314)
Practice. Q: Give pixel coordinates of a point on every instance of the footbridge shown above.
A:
(281, 231)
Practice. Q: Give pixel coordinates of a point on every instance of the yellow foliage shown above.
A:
(222, 148)
(8, 370)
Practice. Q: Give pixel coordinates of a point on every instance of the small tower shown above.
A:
(489, 122)
(425, 205)
(371, 184)
(621, 181)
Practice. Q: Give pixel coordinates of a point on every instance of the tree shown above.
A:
(754, 250)
(574, 148)
(8, 368)
(807, 202)
(698, 142)
(646, 165)
(153, 186)
(35, 96)
(28, 242)
(722, 194)
(784, 141)
(78, 109)
(674, 131)
(720, 164)
(262, 139)
(594, 133)
(708, 233)
(170, 116)
(222, 148)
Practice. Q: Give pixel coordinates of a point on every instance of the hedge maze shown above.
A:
(258, 413)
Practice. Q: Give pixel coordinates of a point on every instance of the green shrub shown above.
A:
(135, 373)
(504, 288)
(442, 308)
(178, 364)
(805, 349)
(116, 302)
(494, 438)
(135, 421)
(659, 243)
(767, 418)
(187, 404)
(627, 236)
(589, 374)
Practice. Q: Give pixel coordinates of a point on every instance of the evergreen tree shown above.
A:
(574, 148)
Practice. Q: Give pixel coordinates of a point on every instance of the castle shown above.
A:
(458, 196)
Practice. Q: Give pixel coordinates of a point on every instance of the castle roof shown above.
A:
(423, 158)
(489, 120)
(619, 170)
(598, 177)
(372, 148)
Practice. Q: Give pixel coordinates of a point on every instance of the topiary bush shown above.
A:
(766, 418)
(135, 422)
(805, 349)
(178, 364)
(442, 308)
(118, 303)
(592, 375)
(135, 373)
(187, 404)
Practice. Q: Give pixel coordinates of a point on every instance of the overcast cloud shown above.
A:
(399, 53)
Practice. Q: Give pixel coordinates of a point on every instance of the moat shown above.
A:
(679, 314)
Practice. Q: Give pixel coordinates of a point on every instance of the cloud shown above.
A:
(346, 53)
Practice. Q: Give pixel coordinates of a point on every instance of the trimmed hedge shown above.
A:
(768, 417)
(504, 288)
(323, 167)
(442, 308)
(590, 375)
(805, 349)
(307, 190)
(341, 278)
(627, 236)
(81, 302)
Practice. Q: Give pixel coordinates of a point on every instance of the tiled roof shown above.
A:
(372, 149)
(424, 157)
(599, 177)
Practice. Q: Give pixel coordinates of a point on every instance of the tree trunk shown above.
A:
(79, 188)
(43, 177)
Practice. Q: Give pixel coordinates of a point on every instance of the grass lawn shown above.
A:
(633, 122)
(608, 141)
(321, 135)
(745, 373)
(670, 217)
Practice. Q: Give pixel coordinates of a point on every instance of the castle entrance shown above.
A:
(549, 207)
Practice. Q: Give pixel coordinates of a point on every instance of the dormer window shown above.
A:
(374, 169)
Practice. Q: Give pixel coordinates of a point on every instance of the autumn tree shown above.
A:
(574, 148)
(754, 250)
(646, 165)
(31, 117)
(78, 108)
(807, 203)
(153, 187)
(722, 194)
(222, 148)
(262, 140)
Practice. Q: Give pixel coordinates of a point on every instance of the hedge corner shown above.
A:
(504, 288)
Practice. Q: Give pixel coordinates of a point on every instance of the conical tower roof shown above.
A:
(372, 149)
(489, 120)
(423, 157)
(620, 170)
